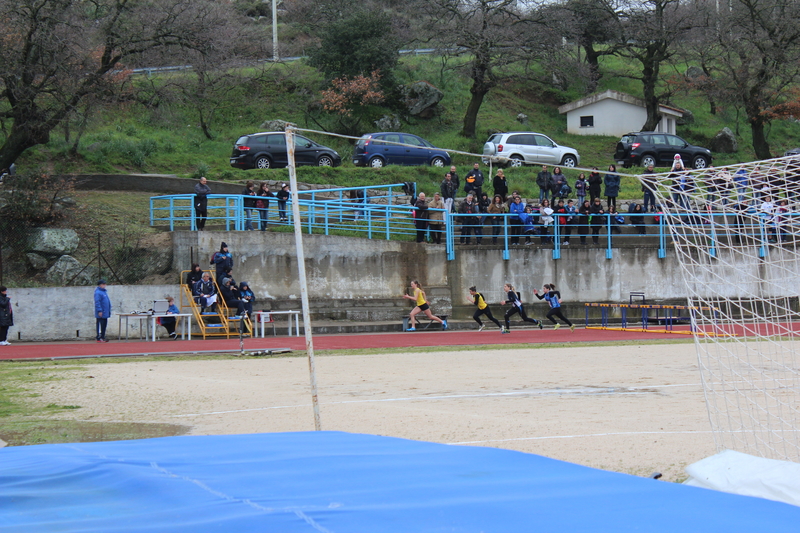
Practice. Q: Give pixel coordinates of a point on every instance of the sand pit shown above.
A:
(627, 409)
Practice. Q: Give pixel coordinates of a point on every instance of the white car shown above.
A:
(518, 148)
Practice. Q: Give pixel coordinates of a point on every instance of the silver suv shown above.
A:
(519, 148)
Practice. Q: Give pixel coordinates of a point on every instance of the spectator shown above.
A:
(558, 184)
(469, 224)
(682, 185)
(247, 297)
(497, 207)
(568, 219)
(483, 204)
(649, 185)
(421, 216)
(436, 218)
(201, 192)
(361, 199)
(615, 220)
(584, 218)
(598, 219)
(283, 196)
(517, 209)
(547, 220)
(205, 293)
(102, 310)
(543, 180)
(759, 183)
(249, 205)
(449, 189)
(782, 220)
(529, 222)
(170, 322)
(6, 315)
(194, 275)
(612, 183)
(222, 259)
(595, 184)
(500, 184)
(581, 188)
(741, 181)
(637, 219)
(454, 176)
(473, 182)
(262, 204)
(230, 296)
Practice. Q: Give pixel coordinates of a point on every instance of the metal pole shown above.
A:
(301, 270)
(275, 54)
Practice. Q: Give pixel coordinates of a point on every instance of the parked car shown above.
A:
(518, 148)
(374, 150)
(647, 148)
(268, 150)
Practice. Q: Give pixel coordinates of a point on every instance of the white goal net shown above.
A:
(735, 230)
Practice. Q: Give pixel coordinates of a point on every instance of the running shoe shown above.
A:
(502, 329)
(541, 326)
(480, 328)
(556, 327)
(572, 327)
(5, 343)
(411, 329)
(444, 324)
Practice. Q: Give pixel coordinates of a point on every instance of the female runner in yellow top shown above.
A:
(422, 307)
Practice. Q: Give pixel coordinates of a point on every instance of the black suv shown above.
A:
(647, 148)
(268, 150)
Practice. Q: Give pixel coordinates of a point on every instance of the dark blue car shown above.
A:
(392, 148)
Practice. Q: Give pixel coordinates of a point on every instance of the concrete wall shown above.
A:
(378, 272)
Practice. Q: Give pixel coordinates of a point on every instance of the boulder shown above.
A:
(37, 262)
(694, 73)
(522, 118)
(274, 125)
(686, 119)
(724, 142)
(53, 241)
(66, 268)
(388, 123)
(421, 98)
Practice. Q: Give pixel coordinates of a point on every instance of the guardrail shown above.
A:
(394, 218)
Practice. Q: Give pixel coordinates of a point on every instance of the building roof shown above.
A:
(618, 96)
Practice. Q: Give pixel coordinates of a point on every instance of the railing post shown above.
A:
(556, 239)
(713, 249)
(506, 255)
(609, 254)
(662, 238)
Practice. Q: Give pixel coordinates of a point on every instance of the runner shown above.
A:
(483, 309)
(422, 307)
(553, 297)
(516, 307)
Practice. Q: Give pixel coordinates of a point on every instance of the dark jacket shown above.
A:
(543, 179)
(469, 208)
(581, 187)
(448, 189)
(193, 277)
(6, 312)
(597, 209)
(249, 203)
(584, 213)
(595, 183)
(222, 260)
(263, 199)
(283, 196)
(556, 182)
(500, 186)
(204, 287)
(421, 206)
(473, 181)
(228, 292)
(612, 184)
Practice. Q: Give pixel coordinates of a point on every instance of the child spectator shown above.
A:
(581, 188)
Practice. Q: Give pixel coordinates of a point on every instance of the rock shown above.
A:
(724, 142)
(421, 98)
(522, 118)
(274, 125)
(686, 119)
(68, 270)
(37, 262)
(388, 123)
(141, 263)
(694, 73)
(52, 241)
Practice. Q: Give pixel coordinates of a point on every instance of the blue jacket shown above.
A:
(527, 222)
(102, 303)
(612, 182)
(515, 209)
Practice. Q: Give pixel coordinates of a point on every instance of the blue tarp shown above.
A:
(341, 482)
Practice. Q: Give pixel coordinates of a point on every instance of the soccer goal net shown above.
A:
(735, 231)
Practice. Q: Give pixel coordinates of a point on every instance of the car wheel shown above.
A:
(648, 160)
(569, 161)
(515, 161)
(263, 162)
(700, 162)
(437, 162)
(376, 162)
(325, 161)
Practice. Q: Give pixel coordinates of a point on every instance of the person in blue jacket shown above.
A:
(247, 297)
(553, 297)
(102, 310)
(169, 322)
(222, 259)
(516, 209)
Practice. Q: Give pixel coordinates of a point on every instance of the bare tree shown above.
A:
(54, 54)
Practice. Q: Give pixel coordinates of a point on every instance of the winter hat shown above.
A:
(226, 281)
(677, 160)
(223, 246)
(101, 282)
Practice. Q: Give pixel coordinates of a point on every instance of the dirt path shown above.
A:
(628, 409)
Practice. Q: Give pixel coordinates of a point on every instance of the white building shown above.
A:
(613, 113)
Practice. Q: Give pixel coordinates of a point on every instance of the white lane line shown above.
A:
(587, 435)
(619, 391)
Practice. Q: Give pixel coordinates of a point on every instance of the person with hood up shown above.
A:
(247, 297)
(6, 315)
(102, 310)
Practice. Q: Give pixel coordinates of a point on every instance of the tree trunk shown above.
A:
(593, 61)
(20, 139)
(471, 116)
(760, 144)
(651, 101)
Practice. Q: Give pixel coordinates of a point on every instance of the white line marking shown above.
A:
(583, 436)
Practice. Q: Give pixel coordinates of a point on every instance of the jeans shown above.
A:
(248, 220)
(649, 201)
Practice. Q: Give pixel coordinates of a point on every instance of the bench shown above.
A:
(407, 318)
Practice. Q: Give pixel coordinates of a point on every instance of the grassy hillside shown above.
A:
(166, 138)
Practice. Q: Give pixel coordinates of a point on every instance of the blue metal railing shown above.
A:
(395, 219)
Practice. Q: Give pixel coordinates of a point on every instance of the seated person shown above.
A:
(230, 296)
(194, 275)
(205, 294)
(227, 272)
(247, 297)
(167, 322)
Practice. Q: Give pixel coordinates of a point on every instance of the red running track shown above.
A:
(36, 350)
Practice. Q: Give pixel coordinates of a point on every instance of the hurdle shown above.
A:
(663, 314)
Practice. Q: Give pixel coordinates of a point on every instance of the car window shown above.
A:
(541, 140)
(276, 140)
(628, 139)
(300, 141)
(658, 139)
(496, 138)
(394, 138)
(243, 139)
(409, 139)
(361, 142)
(675, 141)
(520, 139)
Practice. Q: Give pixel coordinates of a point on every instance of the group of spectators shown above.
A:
(204, 291)
(256, 210)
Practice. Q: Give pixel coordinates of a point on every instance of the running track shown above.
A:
(36, 350)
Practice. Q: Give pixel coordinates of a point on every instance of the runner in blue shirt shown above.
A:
(553, 298)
